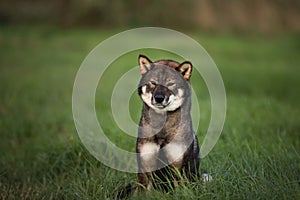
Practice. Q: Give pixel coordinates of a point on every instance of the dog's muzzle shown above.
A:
(160, 98)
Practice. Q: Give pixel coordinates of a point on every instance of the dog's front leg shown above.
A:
(147, 163)
(145, 180)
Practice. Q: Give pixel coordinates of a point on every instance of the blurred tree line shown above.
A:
(218, 15)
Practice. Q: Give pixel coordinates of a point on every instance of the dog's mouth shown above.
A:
(161, 106)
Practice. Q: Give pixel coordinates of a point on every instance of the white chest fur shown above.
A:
(172, 152)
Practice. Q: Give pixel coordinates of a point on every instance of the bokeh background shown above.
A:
(215, 15)
(254, 43)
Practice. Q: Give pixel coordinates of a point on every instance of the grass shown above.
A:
(41, 157)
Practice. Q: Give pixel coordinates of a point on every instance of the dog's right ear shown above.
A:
(145, 64)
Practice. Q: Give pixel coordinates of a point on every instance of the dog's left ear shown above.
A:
(185, 69)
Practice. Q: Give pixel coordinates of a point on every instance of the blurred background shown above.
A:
(216, 15)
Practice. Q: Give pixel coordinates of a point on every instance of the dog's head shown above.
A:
(165, 83)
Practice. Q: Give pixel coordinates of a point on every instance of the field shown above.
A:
(41, 156)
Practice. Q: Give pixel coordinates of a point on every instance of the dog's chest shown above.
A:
(171, 151)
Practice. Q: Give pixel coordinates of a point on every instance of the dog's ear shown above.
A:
(185, 69)
(145, 64)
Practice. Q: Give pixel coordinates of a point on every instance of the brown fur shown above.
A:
(165, 129)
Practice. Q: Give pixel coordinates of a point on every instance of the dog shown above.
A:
(167, 147)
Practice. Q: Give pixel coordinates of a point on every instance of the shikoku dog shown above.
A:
(166, 142)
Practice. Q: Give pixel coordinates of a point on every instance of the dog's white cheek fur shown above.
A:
(176, 101)
(146, 96)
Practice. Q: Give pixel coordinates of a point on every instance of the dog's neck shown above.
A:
(165, 124)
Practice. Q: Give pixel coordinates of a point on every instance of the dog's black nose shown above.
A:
(159, 98)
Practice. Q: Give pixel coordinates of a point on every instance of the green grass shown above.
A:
(41, 157)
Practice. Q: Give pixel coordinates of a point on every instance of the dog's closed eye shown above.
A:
(153, 82)
(171, 84)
